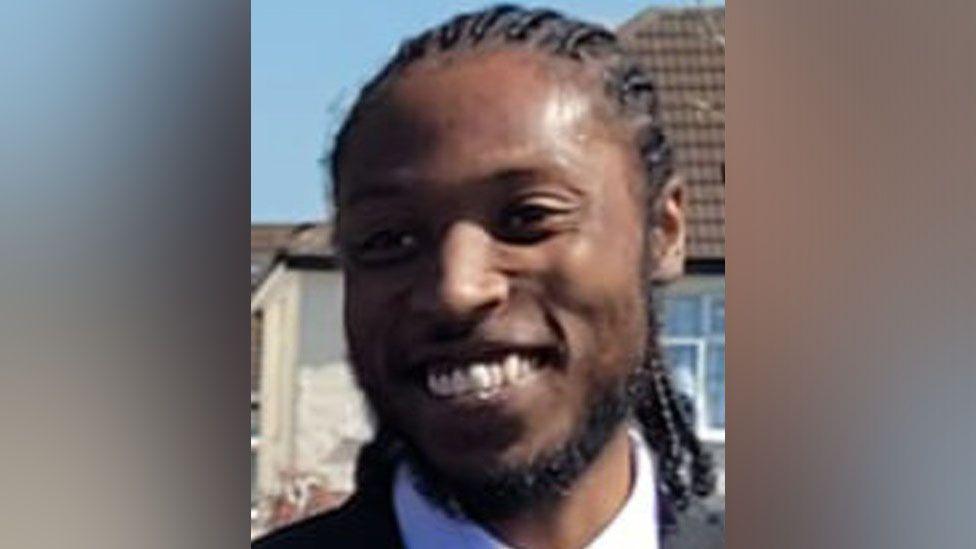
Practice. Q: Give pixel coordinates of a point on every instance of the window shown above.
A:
(693, 334)
(255, 418)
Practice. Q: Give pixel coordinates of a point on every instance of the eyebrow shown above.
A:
(373, 191)
(390, 188)
(534, 174)
(515, 175)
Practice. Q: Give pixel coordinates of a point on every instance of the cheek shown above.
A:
(603, 295)
(366, 325)
(598, 280)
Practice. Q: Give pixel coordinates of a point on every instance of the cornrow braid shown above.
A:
(685, 467)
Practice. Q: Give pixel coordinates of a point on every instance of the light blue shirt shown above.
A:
(423, 525)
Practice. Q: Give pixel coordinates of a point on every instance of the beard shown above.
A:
(502, 492)
(507, 491)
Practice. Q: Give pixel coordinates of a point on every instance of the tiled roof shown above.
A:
(684, 50)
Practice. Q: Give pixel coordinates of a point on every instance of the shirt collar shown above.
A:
(423, 524)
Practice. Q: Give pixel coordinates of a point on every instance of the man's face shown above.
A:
(493, 246)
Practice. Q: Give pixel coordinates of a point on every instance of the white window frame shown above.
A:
(707, 290)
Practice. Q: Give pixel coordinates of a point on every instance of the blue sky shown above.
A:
(308, 59)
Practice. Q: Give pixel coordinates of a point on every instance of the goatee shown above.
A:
(502, 493)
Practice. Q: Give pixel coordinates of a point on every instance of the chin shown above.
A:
(483, 463)
(487, 485)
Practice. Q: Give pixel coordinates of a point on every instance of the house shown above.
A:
(308, 419)
(307, 415)
(685, 51)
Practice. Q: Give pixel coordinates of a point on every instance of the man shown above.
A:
(505, 201)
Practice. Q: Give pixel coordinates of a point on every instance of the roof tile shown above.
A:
(684, 50)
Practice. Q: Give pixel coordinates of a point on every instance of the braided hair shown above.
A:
(684, 466)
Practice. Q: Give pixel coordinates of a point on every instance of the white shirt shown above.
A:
(423, 525)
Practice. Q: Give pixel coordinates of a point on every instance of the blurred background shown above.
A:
(308, 61)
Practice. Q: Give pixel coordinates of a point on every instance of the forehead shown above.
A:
(457, 116)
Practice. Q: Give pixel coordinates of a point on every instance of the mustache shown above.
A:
(485, 339)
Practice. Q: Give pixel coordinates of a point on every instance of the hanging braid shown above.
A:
(685, 467)
(668, 429)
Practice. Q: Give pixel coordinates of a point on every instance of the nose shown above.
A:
(465, 284)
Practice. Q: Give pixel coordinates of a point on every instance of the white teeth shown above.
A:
(444, 384)
(497, 377)
(459, 382)
(439, 385)
(480, 378)
(511, 368)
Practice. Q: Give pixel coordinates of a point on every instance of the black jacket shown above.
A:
(367, 520)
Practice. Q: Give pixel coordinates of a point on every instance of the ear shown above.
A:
(668, 232)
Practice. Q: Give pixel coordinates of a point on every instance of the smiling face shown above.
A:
(492, 235)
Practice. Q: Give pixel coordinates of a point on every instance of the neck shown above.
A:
(582, 513)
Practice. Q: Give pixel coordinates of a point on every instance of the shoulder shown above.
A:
(361, 522)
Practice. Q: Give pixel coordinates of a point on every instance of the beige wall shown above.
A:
(312, 415)
(331, 423)
(279, 300)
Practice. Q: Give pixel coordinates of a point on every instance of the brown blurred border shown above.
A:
(851, 135)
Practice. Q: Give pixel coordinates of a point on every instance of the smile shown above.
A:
(482, 379)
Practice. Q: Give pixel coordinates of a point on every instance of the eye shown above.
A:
(526, 216)
(385, 246)
(528, 222)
